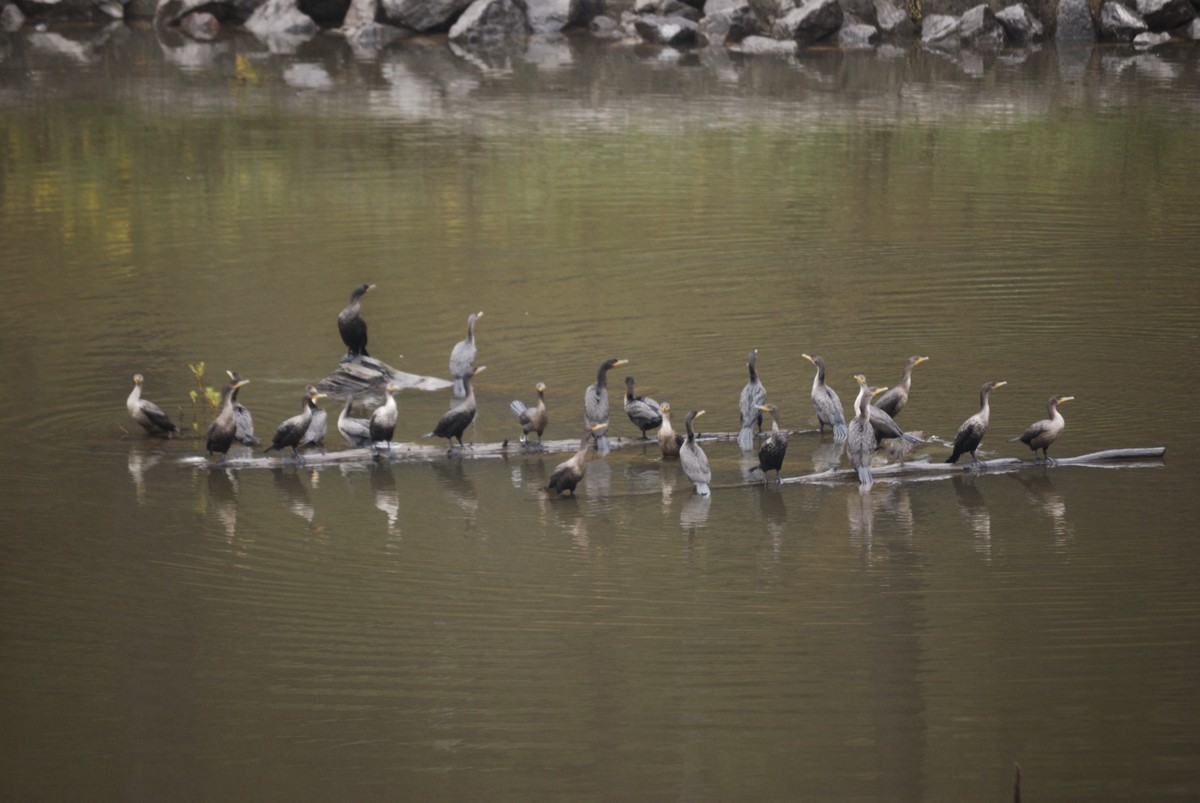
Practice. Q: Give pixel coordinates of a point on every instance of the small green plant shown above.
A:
(200, 412)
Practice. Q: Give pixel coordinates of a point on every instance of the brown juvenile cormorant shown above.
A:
(462, 357)
(148, 414)
(643, 411)
(692, 457)
(455, 421)
(860, 435)
(241, 416)
(223, 430)
(532, 419)
(753, 395)
(569, 473)
(291, 432)
(669, 440)
(595, 403)
(1042, 434)
(356, 431)
(351, 325)
(826, 402)
(382, 424)
(970, 432)
(896, 397)
(771, 453)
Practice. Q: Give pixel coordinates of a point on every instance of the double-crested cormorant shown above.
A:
(356, 431)
(970, 432)
(860, 435)
(291, 432)
(692, 457)
(826, 402)
(595, 403)
(643, 411)
(147, 413)
(896, 397)
(669, 440)
(532, 419)
(455, 421)
(886, 427)
(753, 396)
(462, 356)
(223, 430)
(241, 416)
(569, 473)
(1041, 434)
(771, 453)
(351, 325)
(382, 424)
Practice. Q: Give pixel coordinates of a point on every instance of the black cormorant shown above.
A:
(223, 430)
(455, 421)
(826, 402)
(291, 432)
(351, 325)
(970, 432)
(643, 411)
(753, 396)
(569, 473)
(241, 416)
(771, 453)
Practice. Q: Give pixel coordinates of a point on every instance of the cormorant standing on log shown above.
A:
(643, 411)
(970, 432)
(669, 440)
(569, 473)
(146, 413)
(241, 416)
(315, 434)
(595, 403)
(382, 424)
(896, 397)
(291, 432)
(351, 325)
(455, 421)
(356, 431)
(860, 435)
(692, 457)
(223, 430)
(462, 357)
(1042, 434)
(771, 453)
(886, 427)
(753, 395)
(532, 419)
(826, 402)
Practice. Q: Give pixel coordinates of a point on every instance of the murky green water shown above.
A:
(442, 630)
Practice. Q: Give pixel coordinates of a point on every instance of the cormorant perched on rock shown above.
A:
(462, 357)
(1042, 434)
(753, 396)
(569, 473)
(826, 402)
(860, 435)
(692, 457)
(970, 432)
(455, 421)
(669, 440)
(532, 419)
(771, 453)
(351, 325)
(148, 414)
(595, 403)
(241, 416)
(356, 431)
(896, 397)
(643, 411)
(291, 432)
(223, 430)
(382, 424)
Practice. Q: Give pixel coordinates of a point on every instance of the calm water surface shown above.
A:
(442, 630)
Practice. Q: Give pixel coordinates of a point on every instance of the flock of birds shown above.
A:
(875, 409)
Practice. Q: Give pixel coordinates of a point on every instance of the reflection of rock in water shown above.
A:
(387, 498)
(139, 463)
(222, 497)
(293, 493)
(974, 509)
(453, 479)
(1040, 490)
(694, 513)
(827, 455)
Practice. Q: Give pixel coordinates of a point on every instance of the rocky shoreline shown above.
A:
(744, 26)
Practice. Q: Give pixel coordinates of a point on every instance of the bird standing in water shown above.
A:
(669, 441)
(462, 356)
(595, 403)
(291, 432)
(893, 401)
(692, 457)
(826, 402)
(970, 432)
(351, 325)
(241, 416)
(860, 435)
(223, 430)
(146, 413)
(569, 473)
(753, 396)
(455, 421)
(532, 419)
(771, 453)
(643, 411)
(1042, 434)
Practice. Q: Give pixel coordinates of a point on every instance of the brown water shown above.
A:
(434, 631)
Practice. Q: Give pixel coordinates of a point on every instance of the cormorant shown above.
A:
(455, 421)
(351, 325)
(753, 395)
(860, 435)
(692, 457)
(894, 400)
(1042, 434)
(382, 424)
(356, 431)
(148, 414)
(315, 434)
(223, 430)
(826, 402)
(241, 416)
(595, 403)
(462, 357)
(643, 411)
(669, 440)
(886, 427)
(532, 420)
(970, 432)
(291, 432)
(771, 453)
(569, 473)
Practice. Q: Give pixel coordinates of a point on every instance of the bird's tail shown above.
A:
(1015, 440)
(746, 438)
(517, 407)
(602, 444)
(250, 440)
(839, 432)
(269, 448)
(953, 458)
(864, 476)
(911, 438)
(427, 435)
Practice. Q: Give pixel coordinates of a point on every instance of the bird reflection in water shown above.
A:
(773, 512)
(454, 481)
(973, 508)
(668, 477)
(828, 455)
(694, 513)
(291, 490)
(865, 508)
(1040, 491)
(222, 498)
(139, 463)
(387, 498)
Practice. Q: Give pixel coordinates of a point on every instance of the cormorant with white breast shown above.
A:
(1042, 434)
(146, 413)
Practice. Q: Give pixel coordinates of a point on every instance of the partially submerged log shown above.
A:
(369, 374)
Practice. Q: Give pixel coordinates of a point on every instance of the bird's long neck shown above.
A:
(135, 396)
(471, 331)
(346, 408)
(862, 403)
(1052, 410)
(389, 404)
(602, 377)
(819, 380)
(628, 391)
(753, 371)
(906, 380)
(984, 406)
(541, 405)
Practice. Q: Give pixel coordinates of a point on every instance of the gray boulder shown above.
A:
(11, 18)
(668, 8)
(1074, 23)
(857, 36)
(372, 36)
(766, 45)
(1120, 24)
(201, 26)
(488, 22)
(1193, 30)
(1149, 39)
(939, 30)
(1166, 15)
(727, 21)
(281, 18)
(552, 16)
(978, 29)
(675, 31)
(1020, 24)
(424, 16)
(811, 22)
(892, 21)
